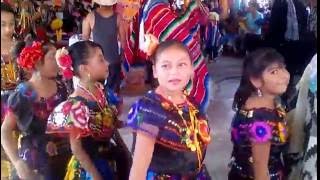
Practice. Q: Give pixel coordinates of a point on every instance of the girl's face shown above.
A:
(275, 79)
(97, 65)
(49, 68)
(173, 69)
(7, 24)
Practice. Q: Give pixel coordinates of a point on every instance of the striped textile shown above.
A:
(165, 24)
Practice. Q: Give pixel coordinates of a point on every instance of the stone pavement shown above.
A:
(226, 72)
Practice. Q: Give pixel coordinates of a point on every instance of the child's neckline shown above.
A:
(97, 85)
(167, 100)
(259, 108)
(39, 99)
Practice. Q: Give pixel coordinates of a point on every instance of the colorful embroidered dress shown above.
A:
(165, 24)
(9, 80)
(258, 126)
(177, 153)
(96, 123)
(31, 122)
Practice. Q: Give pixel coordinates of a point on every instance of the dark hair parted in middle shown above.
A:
(80, 52)
(6, 8)
(253, 66)
(166, 45)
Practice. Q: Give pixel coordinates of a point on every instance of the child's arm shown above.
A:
(9, 144)
(123, 27)
(86, 26)
(142, 156)
(83, 157)
(260, 155)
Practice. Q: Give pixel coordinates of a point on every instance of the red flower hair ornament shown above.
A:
(30, 55)
(64, 62)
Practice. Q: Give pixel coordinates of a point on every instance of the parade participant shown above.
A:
(9, 75)
(171, 133)
(259, 130)
(157, 18)
(302, 120)
(213, 37)
(29, 107)
(89, 117)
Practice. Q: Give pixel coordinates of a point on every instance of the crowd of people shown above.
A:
(63, 66)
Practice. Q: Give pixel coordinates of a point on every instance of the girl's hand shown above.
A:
(119, 109)
(51, 149)
(23, 170)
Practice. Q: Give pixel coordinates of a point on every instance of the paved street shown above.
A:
(226, 73)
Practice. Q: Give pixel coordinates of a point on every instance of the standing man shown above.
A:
(158, 19)
(103, 24)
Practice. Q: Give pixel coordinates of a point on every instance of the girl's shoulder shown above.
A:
(257, 108)
(148, 114)
(23, 92)
(69, 115)
(256, 103)
(20, 102)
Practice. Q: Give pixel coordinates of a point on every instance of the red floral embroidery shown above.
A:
(66, 108)
(80, 115)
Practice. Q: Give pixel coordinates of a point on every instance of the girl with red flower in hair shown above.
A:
(89, 117)
(29, 107)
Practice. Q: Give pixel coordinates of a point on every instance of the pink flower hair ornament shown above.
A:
(64, 62)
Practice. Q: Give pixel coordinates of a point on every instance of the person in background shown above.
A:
(104, 25)
(144, 34)
(9, 68)
(312, 19)
(213, 39)
(7, 31)
(252, 18)
(230, 35)
(254, 22)
(9, 71)
(301, 157)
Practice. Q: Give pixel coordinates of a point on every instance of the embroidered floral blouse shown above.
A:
(159, 118)
(258, 125)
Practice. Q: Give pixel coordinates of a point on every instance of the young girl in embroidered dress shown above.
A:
(171, 133)
(29, 107)
(89, 117)
(259, 129)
